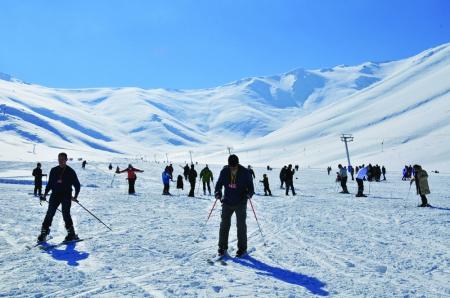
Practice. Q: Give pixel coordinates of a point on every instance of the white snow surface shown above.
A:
(319, 243)
(398, 112)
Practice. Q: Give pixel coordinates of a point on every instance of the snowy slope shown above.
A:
(297, 115)
(319, 243)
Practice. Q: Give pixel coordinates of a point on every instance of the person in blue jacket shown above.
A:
(238, 184)
(166, 176)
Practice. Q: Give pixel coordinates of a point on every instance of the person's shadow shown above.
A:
(68, 254)
(312, 284)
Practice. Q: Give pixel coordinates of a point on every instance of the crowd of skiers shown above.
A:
(234, 179)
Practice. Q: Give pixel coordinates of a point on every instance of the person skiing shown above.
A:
(343, 178)
(180, 182)
(117, 170)
(166, 181)
(250, 170)
(421, 179)
(265, 182)
(289, 176)
(186, 172)
(110, 167)
(283, 176)
(329, 170)
(170, 169)
(83, 164)
(37, 173)
(131, 178)
(383, 170)
(296, 168)
(360, 180)
(61, 180)
(192, 179)
(239, 188)
(206, 175)
(351, 171)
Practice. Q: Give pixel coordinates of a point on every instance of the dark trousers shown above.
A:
(267, 190)
(53, 203)
(384, 176)
(241, 215)
(282, 182)
(351, 173)
(424, 200)
(206, 183)
(344, 184)
(360, 186)
(192, 191)
(131, 182)
(166, 189)
(37, 188)
(290, 184)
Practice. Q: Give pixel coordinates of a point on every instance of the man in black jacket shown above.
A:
(192, 179)
(290, 180)
(60, 182)
(238, 185)
(37, 173)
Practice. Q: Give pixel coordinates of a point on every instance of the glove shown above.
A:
(74, 199)
(42, 198)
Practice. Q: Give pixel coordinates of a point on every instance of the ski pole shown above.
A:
(40, 203)
(93, 215)
(113, 179)
(204, 225)
(260, 230)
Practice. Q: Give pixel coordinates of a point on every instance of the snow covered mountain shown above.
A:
(296, 116)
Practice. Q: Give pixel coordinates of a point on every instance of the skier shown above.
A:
(60, 182)
(283, 176)
(421, 179)
(329, 170)
(166, 181)
(37, 173)
(265, 182)
(117, 170)
(360, 180)
(296, 168)
(206, 175)
(110, 167)
(170, 168)
(83, 164)
(290, 180)
(192, 179)
(351, 171)
(238, 185)
(131, 178)
(186, 172)
(383, 170)
(343, 178)
(250, 170)
(180, 182)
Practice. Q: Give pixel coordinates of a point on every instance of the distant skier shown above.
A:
(360, 180)
(60, 182)
(343, 178)
(329, 170)
(250, 170)
(296, 168)
(207, 176)
(290, 180)
(239, 188)
(351, 171)
(265, 182)
(110, 167)
(180, 182)
(170, 168)
(83, 164)
(192, 179)
(166, 181)
(283, 176)
(421, 179)
(117, 170)
(383, 170)
(186, 172)
(131, 177)
(37, 173)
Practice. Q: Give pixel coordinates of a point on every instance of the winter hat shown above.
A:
(233, 160)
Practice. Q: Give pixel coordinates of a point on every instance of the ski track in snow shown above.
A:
(320, 242)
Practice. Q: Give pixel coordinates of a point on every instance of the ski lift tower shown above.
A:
(346, 138)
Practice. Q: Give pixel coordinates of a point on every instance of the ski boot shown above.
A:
(240, 253)
(71, 235)
(43, 236)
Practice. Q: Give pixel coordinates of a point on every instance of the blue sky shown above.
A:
(201, 43)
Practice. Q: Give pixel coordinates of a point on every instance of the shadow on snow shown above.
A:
(69, 254)
(312, 284)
